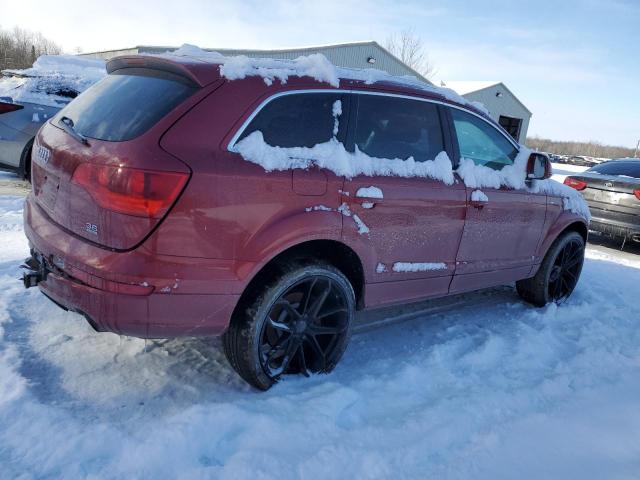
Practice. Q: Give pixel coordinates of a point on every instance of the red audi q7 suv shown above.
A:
(171, 199)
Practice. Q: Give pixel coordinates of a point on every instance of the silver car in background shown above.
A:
(30, 97)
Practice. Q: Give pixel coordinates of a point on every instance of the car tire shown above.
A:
(298, 323)
(558, 274)
(25, 161)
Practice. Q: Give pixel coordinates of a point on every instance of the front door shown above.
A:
(503, 225)
(406, 230)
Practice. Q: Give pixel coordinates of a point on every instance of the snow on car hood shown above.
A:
(54, 80)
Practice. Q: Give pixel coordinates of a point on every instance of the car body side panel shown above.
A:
(419, 220)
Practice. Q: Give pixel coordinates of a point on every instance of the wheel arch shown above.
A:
(333, 252)
(571, 224)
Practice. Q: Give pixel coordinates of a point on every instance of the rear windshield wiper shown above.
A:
(67, 125)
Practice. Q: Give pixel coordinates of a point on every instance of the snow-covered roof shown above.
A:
(464, 87)
(358, 48)
(315, 66)
(52, 80)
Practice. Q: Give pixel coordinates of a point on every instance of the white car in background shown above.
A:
(31, 96)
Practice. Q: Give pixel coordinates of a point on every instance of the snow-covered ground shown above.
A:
(491, 389)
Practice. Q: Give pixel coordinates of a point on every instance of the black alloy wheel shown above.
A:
(298, 323)
(565, 271)
(303, 327)
(558, 274)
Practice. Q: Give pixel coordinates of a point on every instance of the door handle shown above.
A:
(365, 202)
(479, 204)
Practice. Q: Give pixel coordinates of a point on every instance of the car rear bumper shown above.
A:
(614, 223)
(131, 293)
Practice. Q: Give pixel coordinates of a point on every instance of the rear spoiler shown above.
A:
(155, 63)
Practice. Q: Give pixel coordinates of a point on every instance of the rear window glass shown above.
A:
(126, 103)
(297, 120)
(389, 127)
(630, 168)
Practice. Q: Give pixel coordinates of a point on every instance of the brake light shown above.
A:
(132, 191)
(575, 183)
(637, 193)
(9, 107)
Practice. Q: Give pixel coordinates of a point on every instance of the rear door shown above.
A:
(503, 225)
(406, 230)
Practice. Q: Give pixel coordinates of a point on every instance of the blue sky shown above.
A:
(575, 64)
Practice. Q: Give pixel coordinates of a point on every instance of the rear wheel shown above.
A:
(299, 324)
(558, 274)
(25, 161)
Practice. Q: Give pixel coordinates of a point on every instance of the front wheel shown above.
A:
(299, 324)
(559, 273)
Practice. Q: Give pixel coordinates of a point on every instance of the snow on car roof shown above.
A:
(315, 66)
(53, 80)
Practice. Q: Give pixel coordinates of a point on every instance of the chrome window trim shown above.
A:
(266, 101)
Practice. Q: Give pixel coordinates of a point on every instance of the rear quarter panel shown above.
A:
(232, 208)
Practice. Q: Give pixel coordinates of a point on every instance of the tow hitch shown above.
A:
(36, 271)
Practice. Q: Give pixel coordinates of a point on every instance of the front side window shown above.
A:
(482, 143)
(391, 127)
(298, 120)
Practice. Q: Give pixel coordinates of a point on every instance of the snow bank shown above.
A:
(417, 267)
(50, 77)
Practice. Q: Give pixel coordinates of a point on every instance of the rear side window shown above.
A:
(298, 120)
(391, 127)
(630, 168)
(482, 143)
(126, 103)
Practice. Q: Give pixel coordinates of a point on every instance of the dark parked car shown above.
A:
(582, 161)
(612, 190)
(30, 97)
(145, 218)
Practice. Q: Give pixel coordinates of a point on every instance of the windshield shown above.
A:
(126, 103)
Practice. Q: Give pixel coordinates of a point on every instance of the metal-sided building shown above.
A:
(504, 107)
(349, 55)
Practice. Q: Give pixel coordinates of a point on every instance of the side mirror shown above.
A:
(538, 167)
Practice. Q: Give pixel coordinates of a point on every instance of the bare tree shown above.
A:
(591, 149)
(19, 48)
(409, 48)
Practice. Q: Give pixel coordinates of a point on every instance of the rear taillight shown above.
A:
(575, 183)
(637, 193)
(9, 107)
(132, 191)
